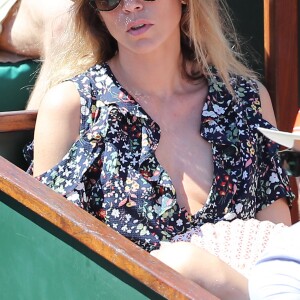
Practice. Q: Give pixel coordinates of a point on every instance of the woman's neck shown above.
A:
(153, 74)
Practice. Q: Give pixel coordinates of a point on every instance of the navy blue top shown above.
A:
(112, 171)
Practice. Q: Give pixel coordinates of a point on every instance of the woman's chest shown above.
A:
(187, 158)
(145, 168)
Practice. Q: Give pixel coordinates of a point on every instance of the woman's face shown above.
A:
(144, 26)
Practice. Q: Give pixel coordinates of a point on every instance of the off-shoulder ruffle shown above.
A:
(117, 147)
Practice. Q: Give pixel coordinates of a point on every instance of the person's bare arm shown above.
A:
(57, 126)
(278, 212)
(205, 269)
(266, 104)
(31, 26)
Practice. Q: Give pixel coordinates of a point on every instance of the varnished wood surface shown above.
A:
(281, 40)
(281, 58)
(17, 120)
(96, 235)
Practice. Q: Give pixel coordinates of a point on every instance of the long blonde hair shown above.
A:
(207, 38)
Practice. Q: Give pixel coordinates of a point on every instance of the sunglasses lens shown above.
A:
(290, 162)
(106, 5)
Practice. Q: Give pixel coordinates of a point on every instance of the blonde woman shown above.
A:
(149, 123)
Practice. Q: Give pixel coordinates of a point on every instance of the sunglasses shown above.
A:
(290, 162)
(106, 5)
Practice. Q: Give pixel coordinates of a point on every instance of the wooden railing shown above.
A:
(17, 120)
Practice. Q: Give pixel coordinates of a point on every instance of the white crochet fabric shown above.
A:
(238, 243)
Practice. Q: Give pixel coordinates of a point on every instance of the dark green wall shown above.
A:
(16, 82)
(249, 22)
(248, 19)
(38, 262)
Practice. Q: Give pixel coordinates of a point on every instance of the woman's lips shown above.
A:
(139, 27)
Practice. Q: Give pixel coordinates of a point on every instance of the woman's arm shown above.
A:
(266, 104)
(278, 212)
(205, 269)
(57, 126)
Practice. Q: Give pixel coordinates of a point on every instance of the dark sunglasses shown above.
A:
(290, 162)
(106, 5)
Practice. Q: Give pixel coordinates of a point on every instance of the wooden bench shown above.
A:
(27, 193)
(17, 120)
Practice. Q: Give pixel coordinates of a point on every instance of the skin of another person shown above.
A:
(31, 26)
(151, 57)
(30, 30)
(275, 276)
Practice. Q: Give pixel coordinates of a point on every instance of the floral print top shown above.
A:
(112, 171)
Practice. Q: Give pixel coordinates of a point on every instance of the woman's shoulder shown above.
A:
(60, 105)
(63, 96)
(240, 81)
(94, 81)
(266, 104)
(248, 94)
(240, 86)
(256, 97)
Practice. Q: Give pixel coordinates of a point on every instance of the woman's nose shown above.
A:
(131, 5)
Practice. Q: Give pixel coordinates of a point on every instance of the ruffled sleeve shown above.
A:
(247, 171)
(68, 176)
(273, 182)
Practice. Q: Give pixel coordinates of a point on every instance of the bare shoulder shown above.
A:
(62, 98)
(57, 126)
(61, 108)
(266, 104)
